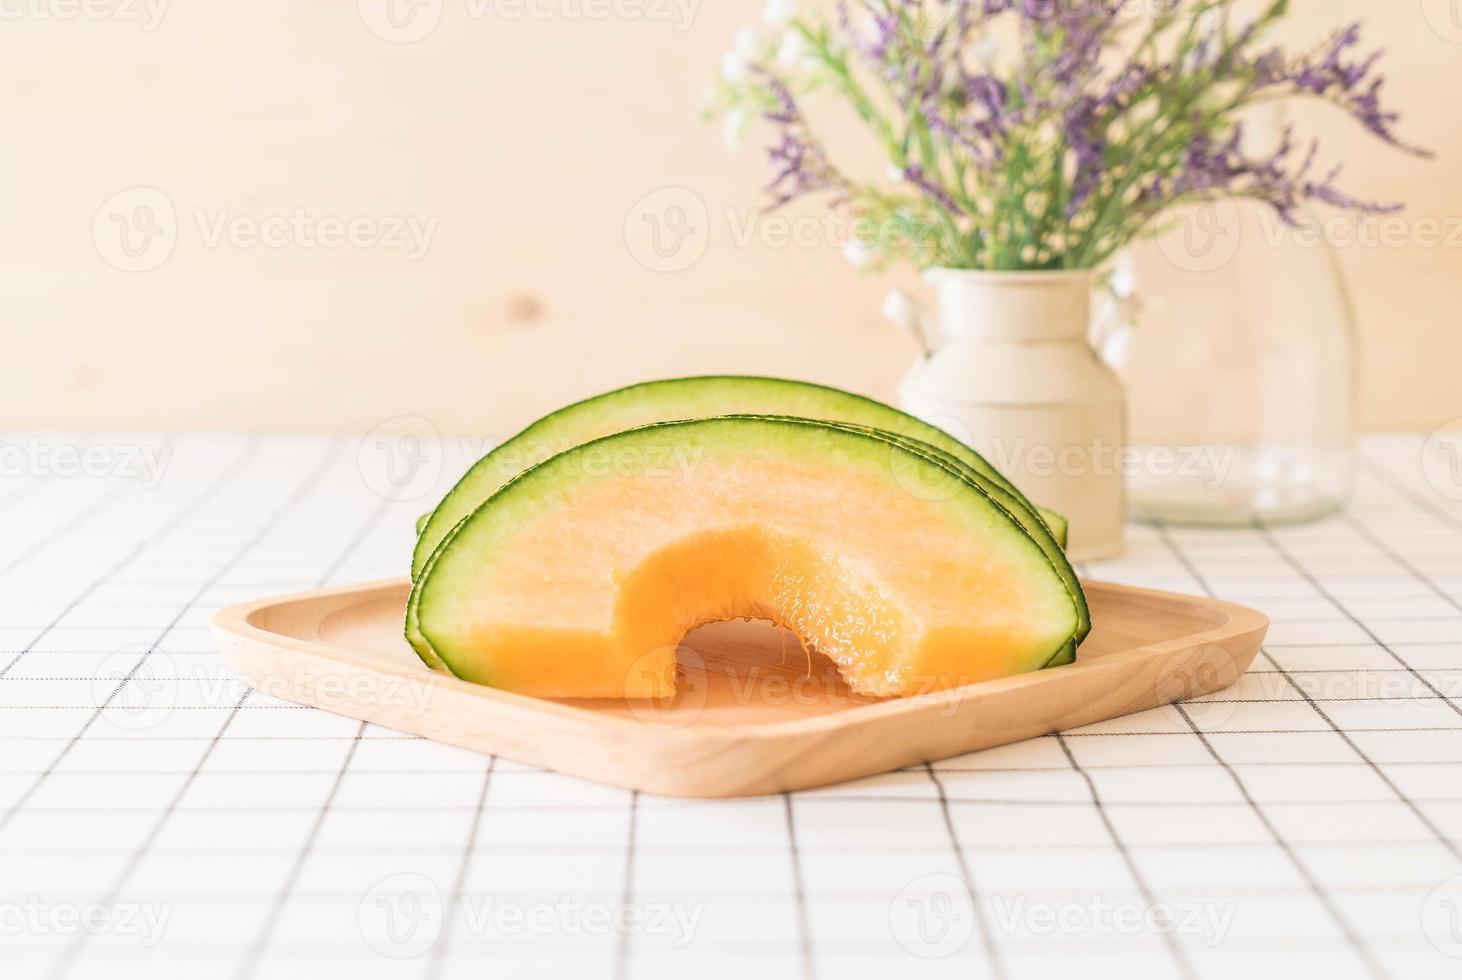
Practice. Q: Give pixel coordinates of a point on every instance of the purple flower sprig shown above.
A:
(800, 164)
(1060, 147)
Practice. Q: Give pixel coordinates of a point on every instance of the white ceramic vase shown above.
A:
(1009, 369)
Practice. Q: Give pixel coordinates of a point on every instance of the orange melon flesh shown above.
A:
(581, 577)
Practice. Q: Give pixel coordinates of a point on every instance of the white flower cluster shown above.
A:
(750, 46)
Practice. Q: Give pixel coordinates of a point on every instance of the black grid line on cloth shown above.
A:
(1418, 500)
(174, 804)
(1381, 545)
(887, 962)
(196, 502)
(1312, 884)
(1326, 900)
(210, 490)
(1090, 766)
(872, 950)
(249, 963)
(821, 798)
(1410, 804)
(26, 487)
(264, 886)
(1180, 955)
(32, 482)
(982, 921)
(438, 960)
(766, 850)
(627, 892)
(76, 520)
(75, 947)
(70, 606)
(1350, 643)
(366, 526)
(846, 896)
(799, 892)
(1319, 586)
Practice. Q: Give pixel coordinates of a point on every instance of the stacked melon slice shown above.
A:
(572, 559)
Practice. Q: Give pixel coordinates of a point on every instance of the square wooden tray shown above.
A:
(752, 713)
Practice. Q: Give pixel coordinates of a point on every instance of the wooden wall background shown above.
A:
(530, 144)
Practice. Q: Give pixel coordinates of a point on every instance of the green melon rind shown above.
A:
(475, 486)
(413, 633)
(1034, 530)
(1056, 523)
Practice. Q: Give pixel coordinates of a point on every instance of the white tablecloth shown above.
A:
(157, 819)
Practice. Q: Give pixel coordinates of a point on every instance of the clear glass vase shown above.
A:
(1236, 346)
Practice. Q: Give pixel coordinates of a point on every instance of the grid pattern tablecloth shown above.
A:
(158, 819)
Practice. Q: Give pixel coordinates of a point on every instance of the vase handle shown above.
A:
(1118, 315)
(904, 312)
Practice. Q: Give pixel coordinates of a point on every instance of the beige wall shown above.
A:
(528, 143)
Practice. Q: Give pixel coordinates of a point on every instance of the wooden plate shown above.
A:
(753, 714)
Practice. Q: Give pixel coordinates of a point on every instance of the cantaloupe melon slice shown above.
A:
(579, 577)
(1009, 502)
(687, 398)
